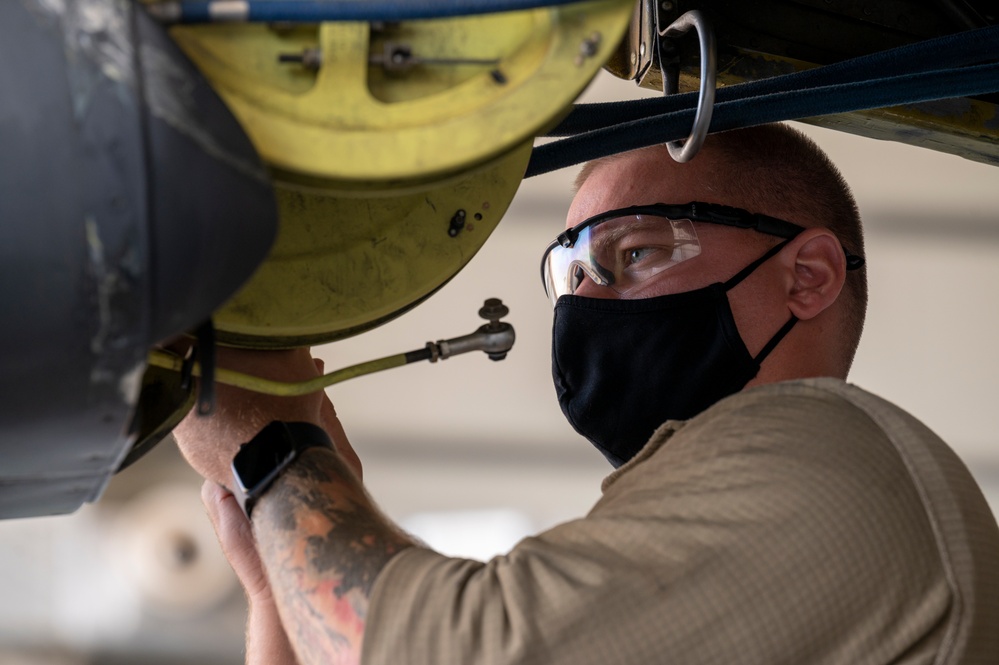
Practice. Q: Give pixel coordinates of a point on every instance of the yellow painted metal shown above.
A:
(355, 121)
(371, 162)
(345, 261)
(965, 127)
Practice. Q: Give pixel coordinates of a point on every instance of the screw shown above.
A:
(667, 6)
(457, 223)
(310, 58)
(588, 48)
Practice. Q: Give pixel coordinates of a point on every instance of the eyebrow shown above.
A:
(615, 233)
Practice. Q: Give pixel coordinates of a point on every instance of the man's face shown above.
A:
(651, 177)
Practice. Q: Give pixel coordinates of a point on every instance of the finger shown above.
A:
(211, 494)
(236, 538)
(334, 428)
(327, 409)
(320, 364)
(229, 524)
(280, 365)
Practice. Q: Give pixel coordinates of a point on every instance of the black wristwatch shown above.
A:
(262, 459)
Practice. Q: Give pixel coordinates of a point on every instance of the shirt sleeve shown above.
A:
(765, 531)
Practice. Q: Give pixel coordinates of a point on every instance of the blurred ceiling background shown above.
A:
(472, 455)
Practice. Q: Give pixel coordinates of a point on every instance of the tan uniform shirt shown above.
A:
(805, 522)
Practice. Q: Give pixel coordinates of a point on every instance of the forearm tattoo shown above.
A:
(323, 543)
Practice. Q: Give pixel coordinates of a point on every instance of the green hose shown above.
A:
(281, 388)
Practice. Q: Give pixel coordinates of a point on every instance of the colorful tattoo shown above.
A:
(323, 543)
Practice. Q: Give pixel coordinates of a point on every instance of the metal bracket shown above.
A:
(494, 338)
(685, 150)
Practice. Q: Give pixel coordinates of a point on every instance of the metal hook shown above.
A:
(684, 150)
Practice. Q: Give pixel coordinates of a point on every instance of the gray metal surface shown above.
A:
(131, 206)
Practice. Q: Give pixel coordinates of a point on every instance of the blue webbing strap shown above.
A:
(963, 48)
(784, 98)
(775, 107)
(313, 11)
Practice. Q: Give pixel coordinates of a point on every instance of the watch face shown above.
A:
(259, 458)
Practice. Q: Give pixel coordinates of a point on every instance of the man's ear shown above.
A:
(818, 266)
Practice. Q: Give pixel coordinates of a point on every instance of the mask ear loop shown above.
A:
(743, 274)
(775, 340)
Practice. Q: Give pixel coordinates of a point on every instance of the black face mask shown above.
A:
(624, 367)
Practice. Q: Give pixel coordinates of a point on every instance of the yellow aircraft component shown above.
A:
(344, 262)
(395, 149)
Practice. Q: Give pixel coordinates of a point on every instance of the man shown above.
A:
(763, 511)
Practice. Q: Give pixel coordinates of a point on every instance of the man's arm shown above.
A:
(266, 640)
(323, 543)
(320, 537)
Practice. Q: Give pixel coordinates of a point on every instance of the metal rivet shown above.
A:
(588, 48)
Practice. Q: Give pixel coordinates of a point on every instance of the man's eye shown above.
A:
(638, 254)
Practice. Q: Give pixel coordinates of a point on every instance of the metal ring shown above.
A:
(684, 150)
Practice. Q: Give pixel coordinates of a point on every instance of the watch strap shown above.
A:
(261, 460)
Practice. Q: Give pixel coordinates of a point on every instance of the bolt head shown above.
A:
(493, 309)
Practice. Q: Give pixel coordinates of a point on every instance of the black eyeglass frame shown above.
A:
(695, 211)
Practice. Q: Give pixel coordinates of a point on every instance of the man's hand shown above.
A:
(209, 444)
(236, 537)
(266, 640)
(316, 531)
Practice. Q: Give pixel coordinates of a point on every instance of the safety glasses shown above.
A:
(625, 248)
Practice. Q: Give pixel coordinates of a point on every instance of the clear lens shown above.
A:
(622, 253)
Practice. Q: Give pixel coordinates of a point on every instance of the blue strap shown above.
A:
(314, 11)
(740, 110)
(963, 48)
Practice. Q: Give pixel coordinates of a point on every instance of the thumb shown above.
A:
(235, 535)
